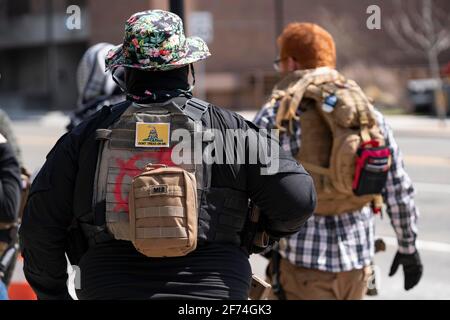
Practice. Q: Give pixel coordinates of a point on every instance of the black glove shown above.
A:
(412, 268)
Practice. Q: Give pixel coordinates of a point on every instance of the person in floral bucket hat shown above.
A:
(155, 41)
(155, 56)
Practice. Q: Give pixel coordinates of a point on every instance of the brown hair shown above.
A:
(309, 44)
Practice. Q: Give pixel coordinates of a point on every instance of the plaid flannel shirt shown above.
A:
(346, 242)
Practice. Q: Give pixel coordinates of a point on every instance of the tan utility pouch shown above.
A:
(163, 211)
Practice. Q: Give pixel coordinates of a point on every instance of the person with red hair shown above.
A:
(331, 256)
(306, 46)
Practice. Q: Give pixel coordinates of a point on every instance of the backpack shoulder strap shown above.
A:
(294, 94)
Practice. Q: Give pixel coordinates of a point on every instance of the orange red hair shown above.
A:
(308, 44)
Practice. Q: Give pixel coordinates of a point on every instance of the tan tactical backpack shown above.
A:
(342, 146)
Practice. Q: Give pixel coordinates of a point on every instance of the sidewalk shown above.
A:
(419, 126)
(45, 119)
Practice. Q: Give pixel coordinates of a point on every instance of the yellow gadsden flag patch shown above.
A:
(152, 135)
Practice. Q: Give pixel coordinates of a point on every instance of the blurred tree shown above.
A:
(423, 30)
(345, 30)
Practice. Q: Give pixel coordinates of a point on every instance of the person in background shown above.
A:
(330, 257)
(157, 58)
(10, 187)
(96, 87)
(6, 129)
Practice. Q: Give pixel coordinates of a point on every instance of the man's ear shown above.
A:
(292, 64)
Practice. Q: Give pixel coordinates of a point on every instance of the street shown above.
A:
(426, 148)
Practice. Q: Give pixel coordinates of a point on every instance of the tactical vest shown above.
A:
(341, 144)
(163, 207)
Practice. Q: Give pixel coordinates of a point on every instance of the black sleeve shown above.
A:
(286, 197)
(49, 210)
(47, 215)
(9, 184)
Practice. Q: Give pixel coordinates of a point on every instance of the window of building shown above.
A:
(16, 8)
(80, 3)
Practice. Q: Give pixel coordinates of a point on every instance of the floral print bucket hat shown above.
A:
(155, 41)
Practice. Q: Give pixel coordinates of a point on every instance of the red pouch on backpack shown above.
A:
(372, 166)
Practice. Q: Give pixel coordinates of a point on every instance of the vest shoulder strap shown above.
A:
(196, 108)
(116, 112)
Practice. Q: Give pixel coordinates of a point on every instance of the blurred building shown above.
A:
(39, 54)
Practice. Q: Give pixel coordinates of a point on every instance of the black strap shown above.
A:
(276, 284)
(96, 234)
(116, 112)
